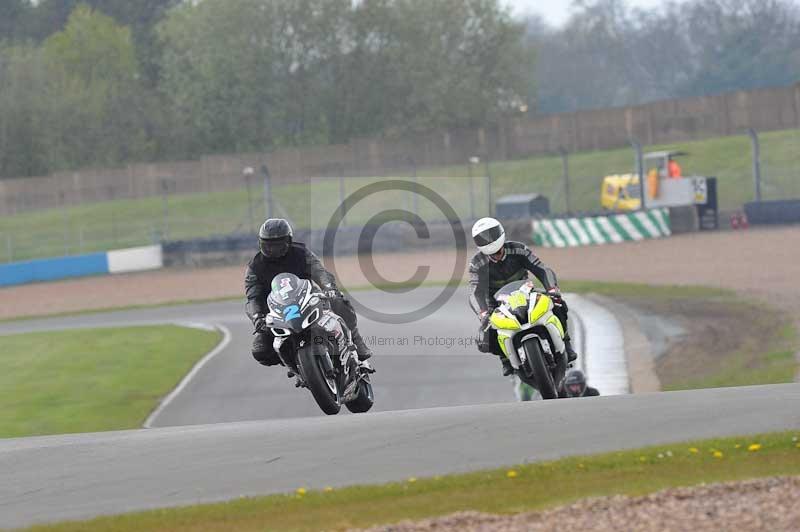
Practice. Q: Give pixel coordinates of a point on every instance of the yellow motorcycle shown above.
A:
(531, 336)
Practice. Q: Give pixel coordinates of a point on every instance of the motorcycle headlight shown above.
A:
(313, 301)
(277, 331)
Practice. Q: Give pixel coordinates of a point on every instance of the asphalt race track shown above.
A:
(233, 387)
(76, 476)
(61, 477)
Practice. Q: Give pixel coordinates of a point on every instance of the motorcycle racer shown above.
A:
(574, 385)
(497, 263)
(277, 254)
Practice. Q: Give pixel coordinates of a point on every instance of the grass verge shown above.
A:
(92, 379)
(508, 490)
(729, 339)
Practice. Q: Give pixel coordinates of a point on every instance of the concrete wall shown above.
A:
(658, 122)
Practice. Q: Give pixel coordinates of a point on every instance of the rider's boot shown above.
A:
(572, 355)
(363, 350)
(508, 369)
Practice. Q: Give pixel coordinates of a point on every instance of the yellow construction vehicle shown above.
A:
(620, 192)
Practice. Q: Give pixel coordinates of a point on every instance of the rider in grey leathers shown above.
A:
(497, 263)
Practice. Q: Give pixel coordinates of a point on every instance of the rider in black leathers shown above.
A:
(498, 263)
(278, 254)
(574, 385)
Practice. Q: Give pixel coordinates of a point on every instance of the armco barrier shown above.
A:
(606, 229)
(118, 261)
(773, 212)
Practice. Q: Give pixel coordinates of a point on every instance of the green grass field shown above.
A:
(92, 379)
(760, 352)
(513, 489)
(125, 223)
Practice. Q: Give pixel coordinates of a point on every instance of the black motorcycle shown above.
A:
(316, 345)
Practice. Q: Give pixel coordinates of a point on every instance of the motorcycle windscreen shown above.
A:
(505, 291)
(286, 301)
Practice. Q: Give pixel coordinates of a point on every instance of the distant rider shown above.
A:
(278, 254)
(574, 385)
(496, 264)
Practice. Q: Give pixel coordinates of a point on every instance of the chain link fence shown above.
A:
(169, 203)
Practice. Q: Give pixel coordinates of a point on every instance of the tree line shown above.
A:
(609, 54)
(107, 82)
(104, 82)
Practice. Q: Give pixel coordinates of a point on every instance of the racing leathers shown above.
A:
(305, 264)
(486, 276)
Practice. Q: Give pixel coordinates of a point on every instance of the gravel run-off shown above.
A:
(763, 504)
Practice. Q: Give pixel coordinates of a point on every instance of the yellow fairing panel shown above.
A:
(502, 339)
(543, 305)
(501, 321)
(557, 322)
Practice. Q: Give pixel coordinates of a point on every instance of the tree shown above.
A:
(742, 44)
(23, 112)
(14, 17)
(98, 103)
(609, 54)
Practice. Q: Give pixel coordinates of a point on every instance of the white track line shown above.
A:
(226, 339)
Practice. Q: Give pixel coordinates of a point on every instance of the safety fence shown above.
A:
(116, 261)
(606, 229)
(84, 216)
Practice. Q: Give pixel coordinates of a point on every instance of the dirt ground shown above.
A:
(763, 262)
(764, 504)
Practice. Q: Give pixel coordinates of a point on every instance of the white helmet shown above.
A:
(488, 235)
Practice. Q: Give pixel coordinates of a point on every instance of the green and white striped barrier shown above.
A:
(610, 229)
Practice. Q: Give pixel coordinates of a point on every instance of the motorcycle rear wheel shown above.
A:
(538, 366)
(325, 390)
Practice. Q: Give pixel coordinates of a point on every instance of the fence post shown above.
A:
(488, 183)
(471, 189)
(415, 196)
(113, 215)
(10, 248)
(165, 209)
(248, 175)
(637, 147)
(63, 202)
(756, 146)
(565, 166)
(267, 190)
(342, 191)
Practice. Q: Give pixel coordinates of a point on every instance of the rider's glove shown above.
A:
(259, 323)
(482, 339)
(484, 317)
(333, 293)
(555, 294)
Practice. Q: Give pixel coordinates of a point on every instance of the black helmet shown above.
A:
(575, 383)
(274, 238)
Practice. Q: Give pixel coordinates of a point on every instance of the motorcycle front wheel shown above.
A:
(324, 389)
(364, 400)
(538, 366)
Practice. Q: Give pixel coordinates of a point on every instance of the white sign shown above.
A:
(676, 192)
